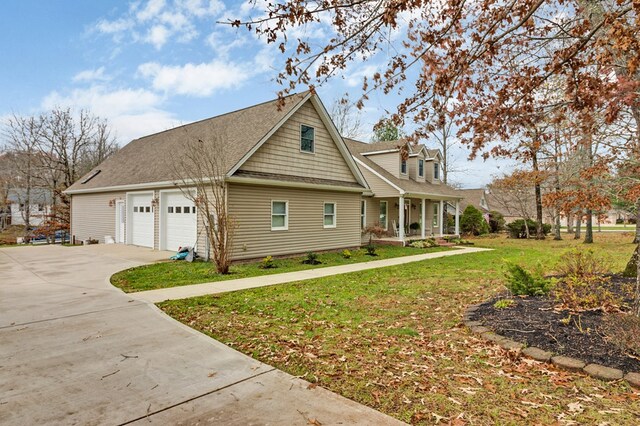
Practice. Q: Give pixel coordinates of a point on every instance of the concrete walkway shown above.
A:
(75, 350)
(183, 292)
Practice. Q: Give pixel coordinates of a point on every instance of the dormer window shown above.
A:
(307, 139)
(436, 171)
(403, 167)
(420, 167)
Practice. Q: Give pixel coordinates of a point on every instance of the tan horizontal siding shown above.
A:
(390, 162)
(281, 153)
(379, 187)
(251, 208)
(92, 216)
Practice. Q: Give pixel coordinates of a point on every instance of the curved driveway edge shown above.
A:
(193, 290)
(75, 350)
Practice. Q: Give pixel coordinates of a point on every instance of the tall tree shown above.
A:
(22, 135)
(387, 130)
(346, 117)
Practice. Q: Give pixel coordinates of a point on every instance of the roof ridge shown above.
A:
(220, 115)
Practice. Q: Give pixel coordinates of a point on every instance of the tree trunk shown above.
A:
(578, 225)
(558, 235)
(631, 269)
(569, 223)
(588, 237)
(538, 190)
(636, 239)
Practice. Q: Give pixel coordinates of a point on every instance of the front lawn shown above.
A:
(179, 273)
(392, 339)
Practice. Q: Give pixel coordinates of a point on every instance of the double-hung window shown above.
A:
(403, 167)
(383, 214)
(420, 167)
(307, 139)
(329, 215)
(279, 215)
(436, 171)
(363, 214)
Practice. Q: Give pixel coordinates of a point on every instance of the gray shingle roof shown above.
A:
(473, 197)
(148, 159)
(408, 185)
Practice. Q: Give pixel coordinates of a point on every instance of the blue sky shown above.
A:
(149, 65)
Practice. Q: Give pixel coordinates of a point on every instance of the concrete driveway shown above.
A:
(75, 350)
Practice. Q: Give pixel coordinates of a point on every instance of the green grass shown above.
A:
(392, 339)
(625, 228)
(179, 273)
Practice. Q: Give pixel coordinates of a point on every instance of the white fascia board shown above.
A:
(387, 181)
(384, 151)
(136, 186)
(268, 135)
(433, 196)
(335, 135)
(280, 183)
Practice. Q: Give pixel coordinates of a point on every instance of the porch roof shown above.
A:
(407, 187)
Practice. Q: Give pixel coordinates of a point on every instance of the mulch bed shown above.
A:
(535, 321)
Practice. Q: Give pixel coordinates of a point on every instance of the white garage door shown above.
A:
(180, 221)
(141, 220)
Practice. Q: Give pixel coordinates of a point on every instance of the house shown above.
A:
(293, 186)
(36, 203)
(405, 180)
(477, 198)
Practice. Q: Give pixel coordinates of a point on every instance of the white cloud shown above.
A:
(202, 8)
(91, 75)
(157, 22)
(113, 27)
(153, 9)
(157, 35)
(195, 79)
(131, 112)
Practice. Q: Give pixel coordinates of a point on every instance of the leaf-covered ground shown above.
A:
(392, 339)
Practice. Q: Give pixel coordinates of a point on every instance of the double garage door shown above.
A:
(178, 220)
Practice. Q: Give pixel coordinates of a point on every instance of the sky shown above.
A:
(149, 65)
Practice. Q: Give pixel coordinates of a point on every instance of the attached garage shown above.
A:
(178, 221)
(140, 219)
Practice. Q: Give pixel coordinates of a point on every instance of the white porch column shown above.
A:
(423, 223)
(440, 217)
(401, 217)
(457, 217)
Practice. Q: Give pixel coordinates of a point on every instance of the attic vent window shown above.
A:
(91, 176)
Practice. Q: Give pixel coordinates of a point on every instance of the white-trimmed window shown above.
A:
(307, 139)
(403, 167)
(279, 215)
(420, 167)
(436, 171)
(436, 207)
(383, 214)
(329, 215)
(363, 214)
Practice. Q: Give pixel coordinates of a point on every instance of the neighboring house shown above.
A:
(38, 203)
(293, 186)
(404, 191)
(476, 198)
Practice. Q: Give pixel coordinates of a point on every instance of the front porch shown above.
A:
(420, 217)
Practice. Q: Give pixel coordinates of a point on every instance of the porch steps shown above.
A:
(444, 243)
